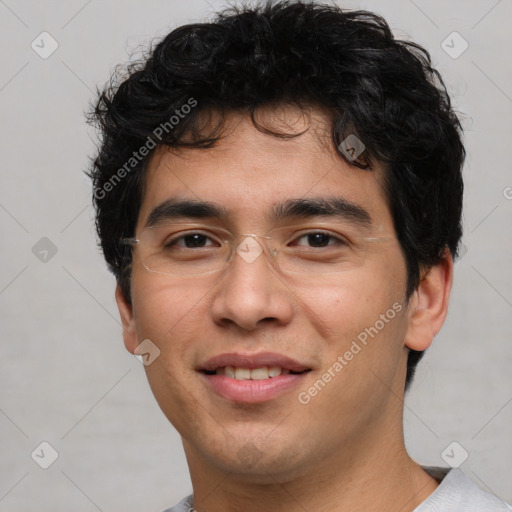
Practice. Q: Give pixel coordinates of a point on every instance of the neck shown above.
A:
(369, 473)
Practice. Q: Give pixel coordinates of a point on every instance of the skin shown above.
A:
(344, 450)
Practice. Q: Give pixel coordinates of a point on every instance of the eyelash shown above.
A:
(338, 239)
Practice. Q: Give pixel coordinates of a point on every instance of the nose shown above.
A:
(251, 292)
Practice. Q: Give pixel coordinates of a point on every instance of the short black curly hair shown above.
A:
(383, 90)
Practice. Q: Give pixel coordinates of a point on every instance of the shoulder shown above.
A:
(457, 493)
(185, 505)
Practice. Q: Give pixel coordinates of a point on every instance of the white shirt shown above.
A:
(456, 493)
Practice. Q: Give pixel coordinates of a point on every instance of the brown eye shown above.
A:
(320, 239)
(189, 241)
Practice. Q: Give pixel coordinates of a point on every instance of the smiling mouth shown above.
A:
(252, 378)
(263, 373)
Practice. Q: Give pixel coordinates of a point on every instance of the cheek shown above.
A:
(342, 307)
(362, 324)
(167, 313)
(170, 316)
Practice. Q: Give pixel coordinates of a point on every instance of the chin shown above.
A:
(259, 462)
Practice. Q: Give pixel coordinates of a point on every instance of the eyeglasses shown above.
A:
(186, 249)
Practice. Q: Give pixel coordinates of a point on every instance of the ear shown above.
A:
(428, 305)
(129, 329)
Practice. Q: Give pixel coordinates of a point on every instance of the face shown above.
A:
(334, 342)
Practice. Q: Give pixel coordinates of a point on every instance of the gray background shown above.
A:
(65, 376)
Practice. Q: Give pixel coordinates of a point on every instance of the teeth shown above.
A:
(262, 373)
(242, 373)
(275, 371)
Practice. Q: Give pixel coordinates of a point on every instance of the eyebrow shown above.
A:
(179, 209)
(322, 207)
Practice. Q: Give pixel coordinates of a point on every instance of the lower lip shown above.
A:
(252, 391)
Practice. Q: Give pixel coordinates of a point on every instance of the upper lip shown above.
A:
(252, 361)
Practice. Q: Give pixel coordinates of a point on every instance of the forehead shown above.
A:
(249, 172)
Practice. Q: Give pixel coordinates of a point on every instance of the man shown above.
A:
(279, 196)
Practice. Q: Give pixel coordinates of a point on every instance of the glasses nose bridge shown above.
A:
(249, 247)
